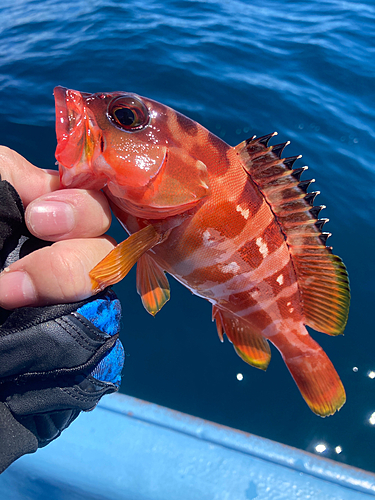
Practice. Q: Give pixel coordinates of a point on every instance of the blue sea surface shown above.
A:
(304, 68)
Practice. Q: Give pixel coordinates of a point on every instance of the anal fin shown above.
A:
(152, 284)
(251, 346)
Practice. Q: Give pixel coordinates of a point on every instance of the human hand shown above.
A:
(55, 360)
(75, 219)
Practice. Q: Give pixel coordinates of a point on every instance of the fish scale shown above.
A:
(234, 225)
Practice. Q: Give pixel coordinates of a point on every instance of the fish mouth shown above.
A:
(77, 135)
(62, 119)
(69, 106)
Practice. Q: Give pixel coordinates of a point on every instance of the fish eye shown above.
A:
(128, 113)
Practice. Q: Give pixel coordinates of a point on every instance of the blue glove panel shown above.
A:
(105, 314)
(110, 367)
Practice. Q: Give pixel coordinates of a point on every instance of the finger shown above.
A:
(29, 181)
(67, 214)
(53, 275)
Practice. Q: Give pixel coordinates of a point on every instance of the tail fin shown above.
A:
(315, 376)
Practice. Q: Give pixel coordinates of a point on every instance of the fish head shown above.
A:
(122, 142)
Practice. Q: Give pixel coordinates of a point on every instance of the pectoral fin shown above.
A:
(116, 265)
(152, 284)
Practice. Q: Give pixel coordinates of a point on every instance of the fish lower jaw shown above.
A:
(69, 178)
(143, 210)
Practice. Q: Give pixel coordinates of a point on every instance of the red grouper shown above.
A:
(235, 225)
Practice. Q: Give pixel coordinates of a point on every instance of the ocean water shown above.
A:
(302, 68)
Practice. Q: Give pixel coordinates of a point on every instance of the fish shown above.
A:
(235, 225)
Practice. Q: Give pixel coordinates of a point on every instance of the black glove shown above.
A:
(55, 360)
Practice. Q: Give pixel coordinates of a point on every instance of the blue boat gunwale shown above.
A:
(240, 441)
(129, 449)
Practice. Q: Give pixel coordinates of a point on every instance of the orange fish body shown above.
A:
(234, 225)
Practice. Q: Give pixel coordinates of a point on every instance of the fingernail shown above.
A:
(16, 289)
(50, 218)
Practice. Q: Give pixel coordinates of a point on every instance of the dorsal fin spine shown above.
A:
(279, 148)
(315, 210)
(251, 139)
(310, 197)
(256, 154)
(300, 223)
(264, 166)
(324, 237)
(289, 162)
(297, 172)
(265, 139)
(320, 223)
(304, 185)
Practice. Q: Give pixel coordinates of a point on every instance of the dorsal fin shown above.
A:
(322, 277)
